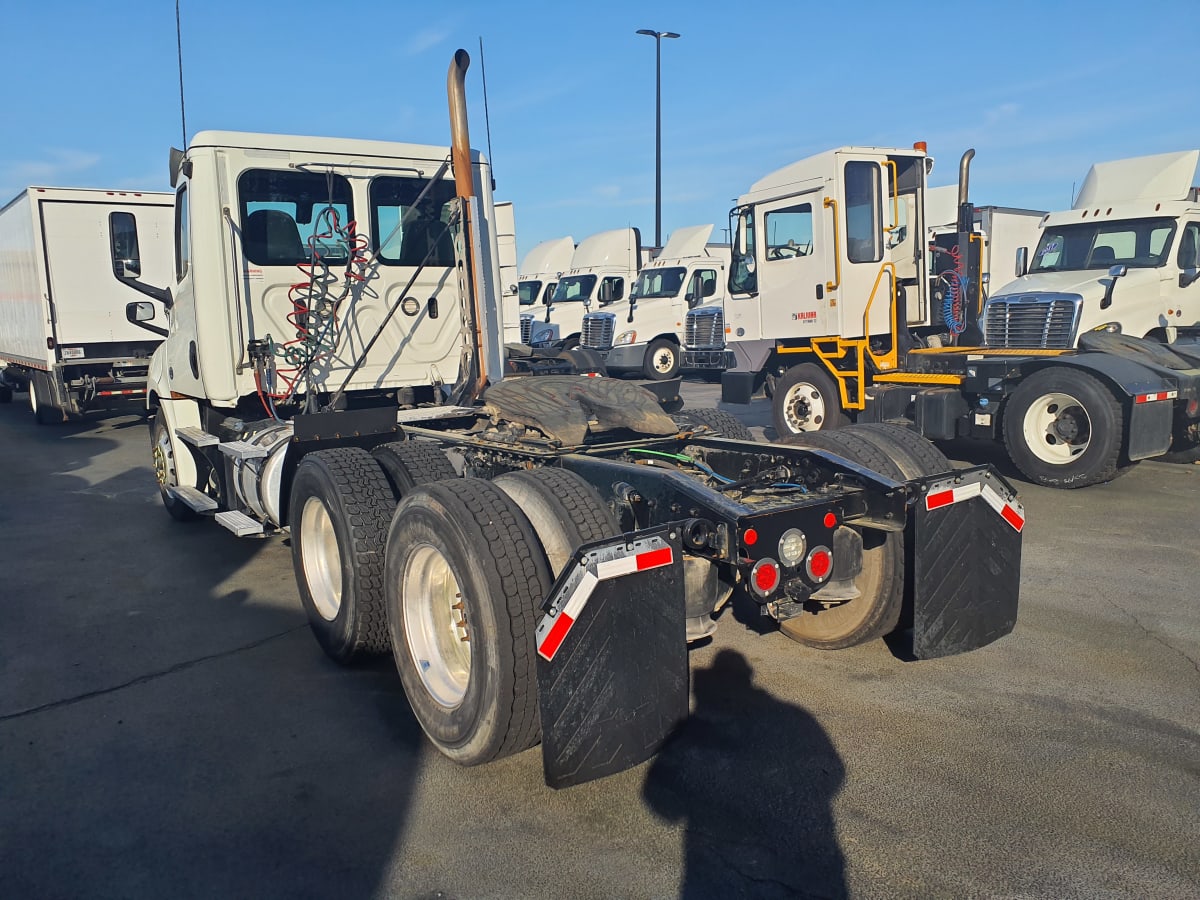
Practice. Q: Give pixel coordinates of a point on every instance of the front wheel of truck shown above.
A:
(162, 455)
(805, 399)
(339, 510)
(464, 578)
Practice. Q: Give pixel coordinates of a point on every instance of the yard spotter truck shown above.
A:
(646, 337)
(830, 295)
(536, 553)
(66, 259)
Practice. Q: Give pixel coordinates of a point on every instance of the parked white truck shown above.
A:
(544, 591)
(1124, 259)
(647, 338)
(603, 268)
(67, 256)
(538, 277)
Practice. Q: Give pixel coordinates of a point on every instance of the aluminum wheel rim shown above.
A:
(32, 398)
(663, 361)
(1057, 428)
(321, 559)
(435, 625)
(164, 469)
(804, 407)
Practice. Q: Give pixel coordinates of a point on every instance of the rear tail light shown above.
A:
(764, 577)
(819, 564)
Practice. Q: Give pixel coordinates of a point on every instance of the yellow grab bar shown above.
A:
(837, 249)
(890, 359)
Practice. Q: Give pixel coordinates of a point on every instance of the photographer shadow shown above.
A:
(752, 780)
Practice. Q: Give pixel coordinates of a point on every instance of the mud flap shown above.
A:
(612, 663)
(966, 562)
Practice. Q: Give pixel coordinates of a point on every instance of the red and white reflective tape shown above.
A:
(1161, 395)
(554, 627)
(120, 393)
(1012, 512)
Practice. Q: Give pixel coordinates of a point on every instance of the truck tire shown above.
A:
(409, 464)
(564, 510)
(1063, 429)
(39, 403)
(806, 400)
(661, 360)
(464, 581)
(876, 611)
(162, 457)
(913, 455)
(340, 508)
(725, 424)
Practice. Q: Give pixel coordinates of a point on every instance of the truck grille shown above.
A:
(597, 332)
(526, 327)
(1032, 321)
(705, 329)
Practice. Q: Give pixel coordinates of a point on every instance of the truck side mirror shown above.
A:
(130, 268)
(1189, 276)
(710, 288)
(140, 313)
(1114, 272)
(1022, 261)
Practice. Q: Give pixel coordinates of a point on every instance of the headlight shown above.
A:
(791, 547)
(544, 336)
(626, 337)
(1110, 327)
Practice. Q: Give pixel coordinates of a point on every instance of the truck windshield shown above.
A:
(1137, 243)
(425, 238)
(574, 289)
(659, 283)
(528, 291)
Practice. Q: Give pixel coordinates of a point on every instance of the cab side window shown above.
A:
(1189, 246)
(183, 245)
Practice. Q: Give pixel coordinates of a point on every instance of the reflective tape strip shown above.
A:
(1161, 395)
(554, 627)
(120, 393)
(1012, 513)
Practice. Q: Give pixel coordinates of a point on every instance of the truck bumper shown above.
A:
(625, 358)
(714, 360)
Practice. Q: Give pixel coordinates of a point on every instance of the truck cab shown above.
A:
(647, 338)
(1124, 259)
(603, 268)
(538, 277)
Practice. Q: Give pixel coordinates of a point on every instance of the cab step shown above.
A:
(241, 450)
(239, 523)
(194, 499)
(197, 437)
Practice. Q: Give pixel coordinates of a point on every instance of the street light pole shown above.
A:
(658, 36)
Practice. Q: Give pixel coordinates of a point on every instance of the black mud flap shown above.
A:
(612, 662)
(966, 562)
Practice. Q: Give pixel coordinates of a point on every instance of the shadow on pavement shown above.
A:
(752, 780)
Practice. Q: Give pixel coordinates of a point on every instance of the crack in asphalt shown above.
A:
(1157, 638)
(143, 679)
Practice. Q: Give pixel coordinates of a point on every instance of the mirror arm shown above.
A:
(162, 295)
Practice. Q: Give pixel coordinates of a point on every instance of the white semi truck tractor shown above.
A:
(646, 337)
(538, 277)
(543, 586)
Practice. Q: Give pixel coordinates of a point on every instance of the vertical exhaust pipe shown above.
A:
(964, 203)
(464, 185)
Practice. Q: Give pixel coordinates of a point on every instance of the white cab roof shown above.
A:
(606, 248)
(1164, 176)
(690, 241)
(549, 257)
(342, 147)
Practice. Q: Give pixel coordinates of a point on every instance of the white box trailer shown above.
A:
(63, 330)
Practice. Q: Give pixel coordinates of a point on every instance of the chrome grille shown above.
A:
(597, 332)
(705, 329)
(1032, 321)
(526, 327)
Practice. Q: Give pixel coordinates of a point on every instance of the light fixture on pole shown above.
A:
(658, 36)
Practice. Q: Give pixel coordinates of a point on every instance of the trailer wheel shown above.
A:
(339, 509)
(876, 611)
(564, 510)
(464, 579)
(39, 405)
(1063, 429)
(725, 424)
(162, 455)
(409, 464)
(806, 399)
(913, 455)
(661, 360)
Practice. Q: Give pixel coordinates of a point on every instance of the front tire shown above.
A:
(339, 510)
(661, 360)
(166, 472)
(806, 400)
(1062, 428)
(464, 579)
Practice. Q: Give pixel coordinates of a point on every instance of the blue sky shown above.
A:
(1041, 90)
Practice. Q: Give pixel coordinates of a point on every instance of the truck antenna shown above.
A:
(179, 49)
(486, 121)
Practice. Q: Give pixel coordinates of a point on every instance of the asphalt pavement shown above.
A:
(169, 728)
